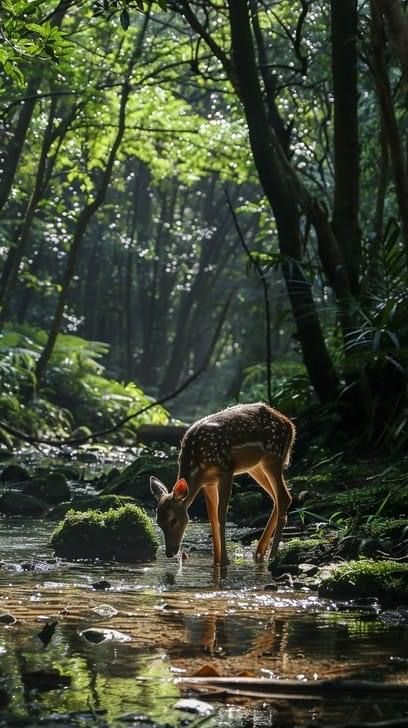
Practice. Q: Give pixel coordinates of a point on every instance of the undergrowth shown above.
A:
(76, 391)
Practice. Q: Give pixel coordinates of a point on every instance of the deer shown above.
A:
(246, 438)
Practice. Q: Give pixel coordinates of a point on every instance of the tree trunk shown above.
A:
(279, 193)
(389, 119)
(9, 162)
(346, 139)
(81, 227)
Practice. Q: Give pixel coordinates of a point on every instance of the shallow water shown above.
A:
(171, 620)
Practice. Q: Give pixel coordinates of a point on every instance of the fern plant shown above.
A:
(75, 391)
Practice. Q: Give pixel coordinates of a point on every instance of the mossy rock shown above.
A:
(385, 580)
(14, 474)
(101, 503)
(126, 534)
(19, 504)
(297, 551)
(134, 480)
(81, 432)
(71, 472)
(52, 488)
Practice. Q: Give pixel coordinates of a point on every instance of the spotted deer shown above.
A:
(247, 438)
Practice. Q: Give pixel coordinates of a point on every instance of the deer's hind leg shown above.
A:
(273, 469)
(262, 479)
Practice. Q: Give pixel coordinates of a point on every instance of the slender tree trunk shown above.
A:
(279, 193)
(389, 119)
(82, 224)
(17, 249)
(397, 23)
(374, 267)
(10, 158)
(9, 161)
(346, 139)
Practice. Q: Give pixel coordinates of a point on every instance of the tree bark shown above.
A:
(397, 23)
(278, 189)
(12, 155)
(346, 137)
(389, 119)
(80, 230)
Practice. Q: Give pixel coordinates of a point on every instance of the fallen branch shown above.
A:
(294, 689)
(33, 440)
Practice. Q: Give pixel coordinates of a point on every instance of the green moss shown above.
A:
(126, 534)
(387, 527)
(389, 496)
(386, 580)
(295, 551)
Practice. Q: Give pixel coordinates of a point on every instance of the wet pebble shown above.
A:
(7, 618)
(198, 707)
(96, 636)
(308, 569)
(395, 616)
(105, 610)
(101, 585)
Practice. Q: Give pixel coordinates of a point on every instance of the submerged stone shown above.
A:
(20, 504)
(89, 503)
(52, 488)
(134, 480)
(14, 474)
(126, 534)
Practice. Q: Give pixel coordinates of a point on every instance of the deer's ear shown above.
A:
(180, 490)
(158, 488)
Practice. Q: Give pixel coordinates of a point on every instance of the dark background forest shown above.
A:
(207, 190)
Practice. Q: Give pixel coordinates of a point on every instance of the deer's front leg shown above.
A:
(224, 493)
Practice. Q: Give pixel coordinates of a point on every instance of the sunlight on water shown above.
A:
(153, 622)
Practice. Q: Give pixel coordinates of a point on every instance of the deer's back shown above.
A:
(213, 438)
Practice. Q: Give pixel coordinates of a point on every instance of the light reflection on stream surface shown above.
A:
(178, 620)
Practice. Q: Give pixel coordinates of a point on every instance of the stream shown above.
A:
(164, 620)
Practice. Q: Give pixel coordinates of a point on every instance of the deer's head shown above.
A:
(172, 515)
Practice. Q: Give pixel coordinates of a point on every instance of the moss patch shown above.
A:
(125, 534)
(387, 527)
(296, 551)
(386, 580)
(389, 496)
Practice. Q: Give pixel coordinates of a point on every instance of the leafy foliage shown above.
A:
(291, 391)
(75, 393)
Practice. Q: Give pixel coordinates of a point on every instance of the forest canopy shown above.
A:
(209, 186)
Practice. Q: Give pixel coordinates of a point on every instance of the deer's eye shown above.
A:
(173, 522)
